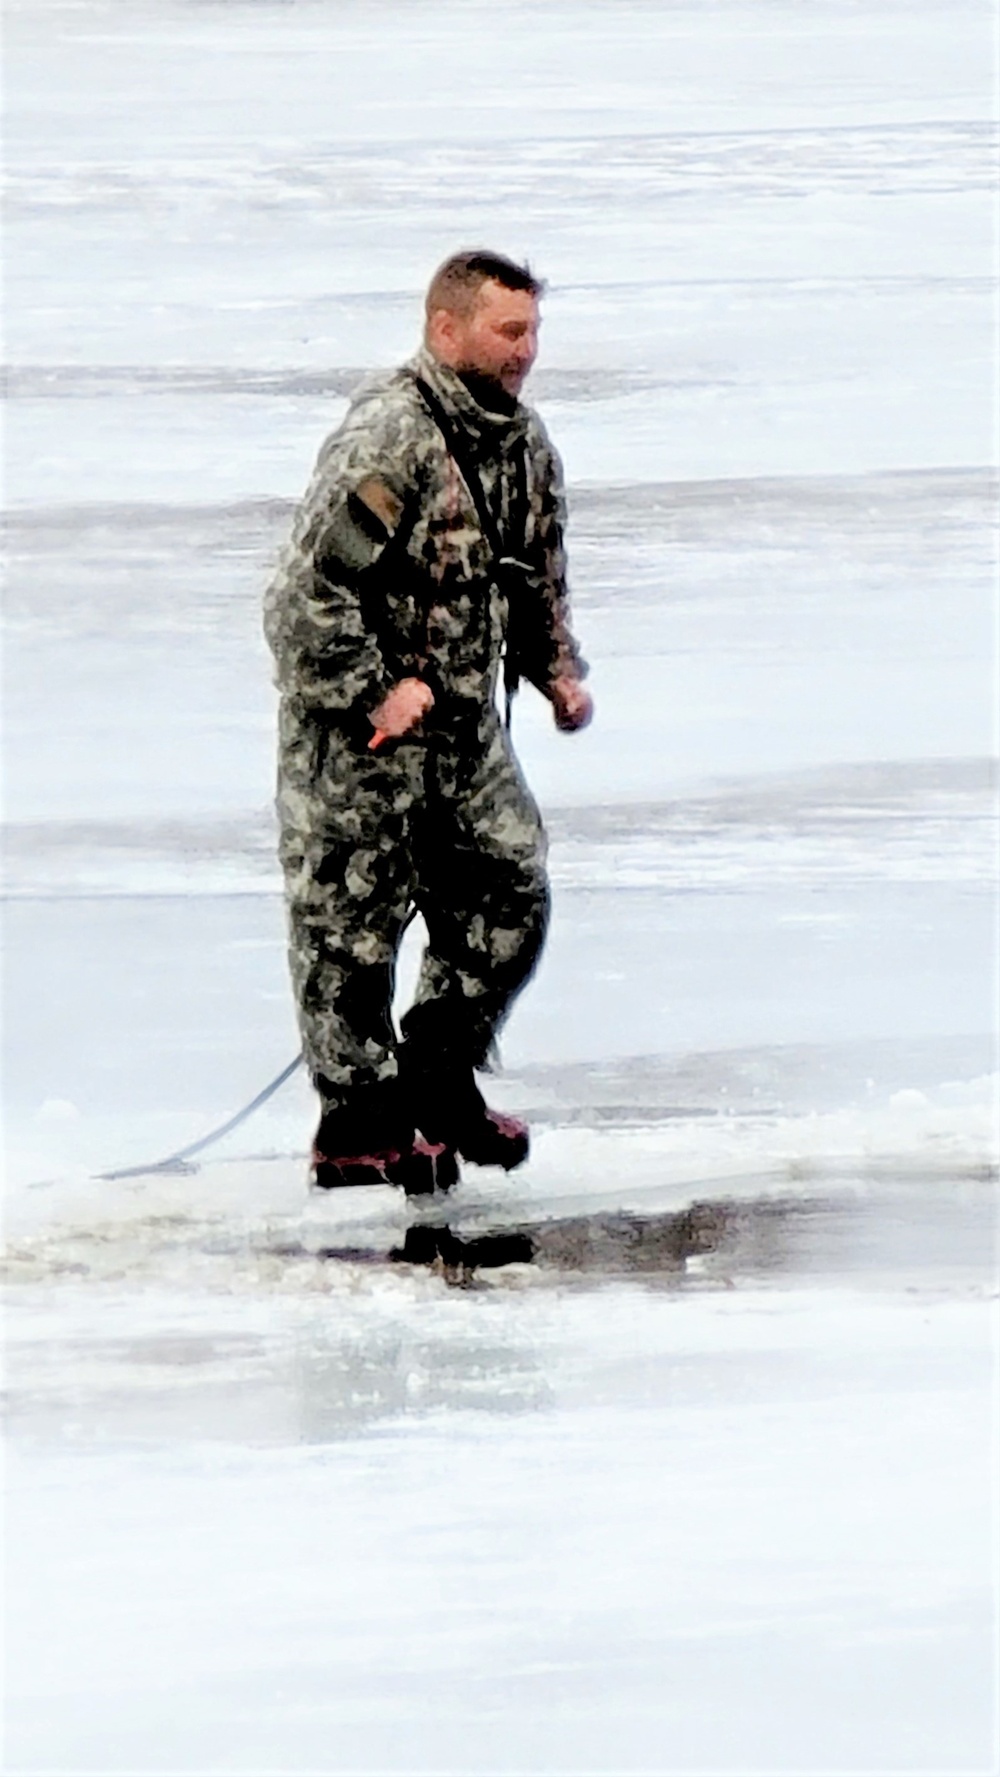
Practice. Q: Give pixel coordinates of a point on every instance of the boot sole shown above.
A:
(516, 1155)
(430, 1167)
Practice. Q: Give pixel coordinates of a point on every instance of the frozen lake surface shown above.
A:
(676, 1451)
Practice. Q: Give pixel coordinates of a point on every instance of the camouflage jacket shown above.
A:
(387, 572)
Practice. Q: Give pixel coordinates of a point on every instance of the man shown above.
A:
(427, 547)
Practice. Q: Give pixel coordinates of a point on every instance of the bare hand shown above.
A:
(401, 709)
(572, 704)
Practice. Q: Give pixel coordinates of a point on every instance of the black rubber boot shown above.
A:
(447, 1106)
(370, 1140)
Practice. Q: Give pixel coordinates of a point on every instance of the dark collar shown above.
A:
(485, 427)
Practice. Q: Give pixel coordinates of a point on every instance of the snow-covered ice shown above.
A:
(707, 1482)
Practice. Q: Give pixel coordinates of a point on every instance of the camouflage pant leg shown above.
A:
(450, 826)
(345, 818)
(483, 891)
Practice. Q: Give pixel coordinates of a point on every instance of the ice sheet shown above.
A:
(704, 1481)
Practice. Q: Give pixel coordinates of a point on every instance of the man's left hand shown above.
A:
(572, 704)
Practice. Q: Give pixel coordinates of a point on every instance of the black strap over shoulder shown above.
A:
(460, 450)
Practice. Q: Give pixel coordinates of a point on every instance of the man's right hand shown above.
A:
(572, 704)
(401, 709)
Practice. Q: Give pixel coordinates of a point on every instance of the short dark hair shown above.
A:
(456, 284)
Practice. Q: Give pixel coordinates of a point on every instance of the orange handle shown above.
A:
(377, 739)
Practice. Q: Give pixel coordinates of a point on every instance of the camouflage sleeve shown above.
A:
(546, 646)
(327, 652)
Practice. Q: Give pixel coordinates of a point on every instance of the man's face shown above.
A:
(499, 339)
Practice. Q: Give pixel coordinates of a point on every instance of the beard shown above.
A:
(488, 391)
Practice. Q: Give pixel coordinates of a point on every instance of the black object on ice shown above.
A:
(424, 1244)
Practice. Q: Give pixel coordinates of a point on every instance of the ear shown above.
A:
(442, 334)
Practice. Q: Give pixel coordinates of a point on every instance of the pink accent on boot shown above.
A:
(421, 1169)
(495, 1139)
